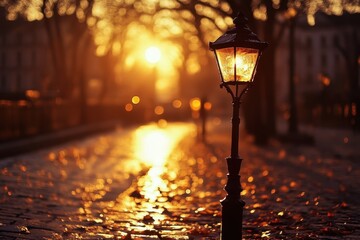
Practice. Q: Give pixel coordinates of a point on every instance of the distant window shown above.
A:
(337, 60)
(18, 59)
(18, 82)
(3, 40)
(3, 82)
(19, 38)
(323, 41)
(2, 60)
(309, 43)
(33, 58)
(309, 60)
(324, 61)
(308, 79)
(34, 38)
(30, 39)
(336, 40)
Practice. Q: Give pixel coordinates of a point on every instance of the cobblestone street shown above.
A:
(160, 182)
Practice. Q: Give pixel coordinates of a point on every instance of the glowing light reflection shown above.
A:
(153, 146)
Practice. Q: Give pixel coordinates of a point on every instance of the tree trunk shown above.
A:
(269, 63)
(82, 79)
(109, 75)
(53, 53)
(260, 103)
(293, 123)
(65, 83)
(350, 52)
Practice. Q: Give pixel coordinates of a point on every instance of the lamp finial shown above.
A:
(240, 20)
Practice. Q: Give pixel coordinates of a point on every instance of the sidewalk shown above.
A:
(99, 188)
(50, 139)
(301, 191)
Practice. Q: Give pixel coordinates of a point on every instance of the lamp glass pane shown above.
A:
(244, 61)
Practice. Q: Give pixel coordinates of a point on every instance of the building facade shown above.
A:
(24, 58)
(322, 73)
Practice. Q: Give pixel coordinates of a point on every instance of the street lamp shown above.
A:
(237, 54)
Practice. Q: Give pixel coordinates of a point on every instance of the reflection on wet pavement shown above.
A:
(153, 146)
(124, 184)
(159, 182)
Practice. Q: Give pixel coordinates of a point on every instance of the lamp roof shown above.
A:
(240, 36)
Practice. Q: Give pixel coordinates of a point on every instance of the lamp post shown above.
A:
(237, 54)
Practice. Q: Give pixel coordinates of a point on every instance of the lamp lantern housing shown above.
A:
(237, 53)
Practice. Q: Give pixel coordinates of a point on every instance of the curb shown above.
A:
(45, 140)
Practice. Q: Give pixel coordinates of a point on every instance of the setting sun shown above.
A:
(153, 54)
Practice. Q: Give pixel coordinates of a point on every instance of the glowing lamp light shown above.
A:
(195, 104)
(237, 53)
(237, 64)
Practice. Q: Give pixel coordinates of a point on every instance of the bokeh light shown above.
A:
(159, 110)
(135, 99)
(129, 107)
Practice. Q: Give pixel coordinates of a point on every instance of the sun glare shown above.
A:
(153, 55)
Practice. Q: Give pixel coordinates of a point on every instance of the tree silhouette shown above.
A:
(72, 25)
(271, 19)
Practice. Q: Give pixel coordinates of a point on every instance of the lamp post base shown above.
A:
(232, 205)
(232, 212)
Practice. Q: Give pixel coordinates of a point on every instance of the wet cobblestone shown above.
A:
(161, 183)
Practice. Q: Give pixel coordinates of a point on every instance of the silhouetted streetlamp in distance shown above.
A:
(237, 54)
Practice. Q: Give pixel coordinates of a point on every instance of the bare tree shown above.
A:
(65, 26)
